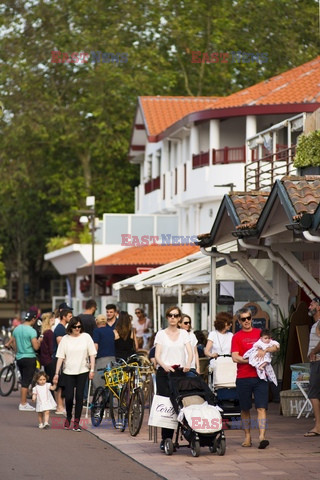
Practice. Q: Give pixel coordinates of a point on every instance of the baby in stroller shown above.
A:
(199, 419)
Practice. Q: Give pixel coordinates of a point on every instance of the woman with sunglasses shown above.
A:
(185, 324)
(73, 352)
(172, 343)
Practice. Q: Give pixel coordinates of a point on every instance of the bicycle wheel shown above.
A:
(98, 405)
(119, 408)
(7, 380)
(136, 412)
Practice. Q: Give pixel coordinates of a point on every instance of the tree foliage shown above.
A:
(66, 128)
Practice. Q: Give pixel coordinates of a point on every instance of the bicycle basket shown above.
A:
(116, 376)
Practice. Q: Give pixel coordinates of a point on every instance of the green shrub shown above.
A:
(308, 150)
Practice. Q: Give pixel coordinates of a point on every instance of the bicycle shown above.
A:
(10, 377)
(122, 396)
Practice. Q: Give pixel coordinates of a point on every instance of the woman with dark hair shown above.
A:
(73, 352)
(173, 350)
(125, 337)
(219, 340)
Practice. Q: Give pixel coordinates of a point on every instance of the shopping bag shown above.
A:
(224, 372)
(162, 413)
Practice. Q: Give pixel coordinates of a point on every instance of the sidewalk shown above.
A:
(289, 456)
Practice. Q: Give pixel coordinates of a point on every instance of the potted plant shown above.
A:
(307, 158)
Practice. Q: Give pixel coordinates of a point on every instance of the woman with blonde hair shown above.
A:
(46, 347)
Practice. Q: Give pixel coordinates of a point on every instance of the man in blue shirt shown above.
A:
(103, 338)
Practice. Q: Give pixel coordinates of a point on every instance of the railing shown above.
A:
(151, 185)
(262, 173)
(228, 155)
(200, 160)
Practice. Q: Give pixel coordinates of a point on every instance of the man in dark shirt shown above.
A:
(87, 317)
(58, 333)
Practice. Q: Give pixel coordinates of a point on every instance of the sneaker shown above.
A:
(46, 426)
(41, 425)
(26, 408)
(67, 423)
(76, 426)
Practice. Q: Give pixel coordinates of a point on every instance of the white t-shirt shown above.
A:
(173, 352)
(193, 342)
(221, 343)
(140, 327)
(75, 352)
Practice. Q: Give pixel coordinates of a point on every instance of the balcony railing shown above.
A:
(151, 185)
(228, 155)
(262, 173)
(200, 160)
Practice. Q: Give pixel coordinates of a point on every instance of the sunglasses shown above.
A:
(186, 323)
(137, 312)
(175, 315)
(76, 326)
(243, 319)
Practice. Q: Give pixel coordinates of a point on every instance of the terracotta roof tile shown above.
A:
(162, 112)
(248, 207)
(304, 193)
(150, 255)
(298, 85)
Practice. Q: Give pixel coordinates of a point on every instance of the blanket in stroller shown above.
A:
(202, 418)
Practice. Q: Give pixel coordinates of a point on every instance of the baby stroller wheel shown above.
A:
(220, 444)
(213, 448)
(195, 448)
(168, 446)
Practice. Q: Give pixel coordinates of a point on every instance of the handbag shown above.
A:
(162, 413)
(224, 372)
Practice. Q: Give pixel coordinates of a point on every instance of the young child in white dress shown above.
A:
(41, 394)
(263, 365)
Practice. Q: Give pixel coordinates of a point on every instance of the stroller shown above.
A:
(222, 381)
(199, 420)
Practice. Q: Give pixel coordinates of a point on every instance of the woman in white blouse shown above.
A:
(185, 324)
(73, 352)
(219, 340)
(172, 343)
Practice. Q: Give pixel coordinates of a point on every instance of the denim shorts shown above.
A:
(246, 387)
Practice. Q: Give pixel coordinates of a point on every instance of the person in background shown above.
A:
(202, 340)
(62, 306)
(142, 326)
(46, 348)
(219, 340)
(103, 338)
(314, 356)
(125, 337)
(87, 317)
(111, 311)
(171, 346)
(25, 343)
(73, 351)
(185, 324)
(101, 321)
(248, 383)
(58, 334)
(89, 324)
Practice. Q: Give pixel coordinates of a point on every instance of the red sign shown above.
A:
(143, 269)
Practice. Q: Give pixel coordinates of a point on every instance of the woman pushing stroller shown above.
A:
(172, 344)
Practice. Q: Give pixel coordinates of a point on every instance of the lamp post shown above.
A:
(90, 216)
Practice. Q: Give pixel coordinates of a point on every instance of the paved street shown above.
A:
(29, 452)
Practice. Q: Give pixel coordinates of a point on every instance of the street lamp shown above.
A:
(90, 217)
